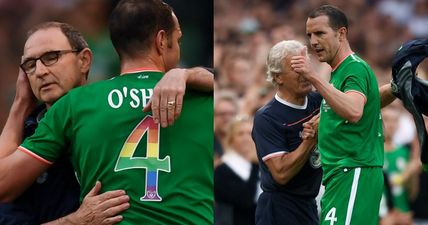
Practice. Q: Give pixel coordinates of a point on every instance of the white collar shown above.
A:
(279, 99)
(238, 164)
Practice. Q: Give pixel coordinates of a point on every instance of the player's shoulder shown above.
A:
(270, 112)
(31, 122)
(89, 91)
(314, 97)
(355, 63)
(266, 109)
(92, 86)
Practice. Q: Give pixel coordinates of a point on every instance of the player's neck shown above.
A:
(342, 53)
(140, 63)
(294, 99)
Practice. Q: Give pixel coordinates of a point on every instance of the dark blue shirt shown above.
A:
(277, 130)
(53, 195)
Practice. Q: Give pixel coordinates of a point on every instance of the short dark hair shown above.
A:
(74, 37)
(133, 25)
(337, 19)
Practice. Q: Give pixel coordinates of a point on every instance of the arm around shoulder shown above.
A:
(200, 78)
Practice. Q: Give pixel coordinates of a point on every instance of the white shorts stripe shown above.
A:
(352, 196)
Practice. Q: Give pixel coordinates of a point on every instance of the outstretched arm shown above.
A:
(386, 96)
(167, 99)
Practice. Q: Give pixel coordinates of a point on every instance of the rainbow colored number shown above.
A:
(151, 162)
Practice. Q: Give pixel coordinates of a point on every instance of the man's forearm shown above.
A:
(341, 103)
(200, 79)
(17, 172)
(13, 130)
(66, 220)
(297, 159)
(291, 163)
(386, 96)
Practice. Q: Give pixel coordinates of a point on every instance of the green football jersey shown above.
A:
(396, 162)
(346, 144)
(167, 172)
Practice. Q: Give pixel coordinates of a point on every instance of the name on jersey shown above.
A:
(136, 98)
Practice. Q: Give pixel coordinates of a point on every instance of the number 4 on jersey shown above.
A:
(151, 162)
(331, 215)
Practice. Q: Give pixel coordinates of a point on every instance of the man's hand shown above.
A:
(100, 209)
(310, 128)
(167, 99)
(301, 65)
(24, 93)
(24, 103)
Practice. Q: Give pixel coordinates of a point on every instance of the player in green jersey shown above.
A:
(166, 172)
(350, 136)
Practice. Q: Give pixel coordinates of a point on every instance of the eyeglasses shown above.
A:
(48, 59)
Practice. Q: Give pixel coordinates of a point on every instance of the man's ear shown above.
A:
(342, 33)
(85, 60)
(278, 79)
(161, 42)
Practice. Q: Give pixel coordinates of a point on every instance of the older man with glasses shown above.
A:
(56, 59)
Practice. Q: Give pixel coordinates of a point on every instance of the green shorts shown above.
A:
(352, 197)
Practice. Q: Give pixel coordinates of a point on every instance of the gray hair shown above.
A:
(226, 95)
(277, 54)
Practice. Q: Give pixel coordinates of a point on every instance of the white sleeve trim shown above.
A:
(273, 155)
(354, 91)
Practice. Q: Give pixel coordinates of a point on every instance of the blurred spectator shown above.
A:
(239, 75)
(225, 109)
(90, 17)
(237, 178)
(399, 10)
(418, 23)
(420, 203)
(397, 159)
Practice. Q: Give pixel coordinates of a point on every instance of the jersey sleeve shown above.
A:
(268, 137)
(51, 136)
(356, 79)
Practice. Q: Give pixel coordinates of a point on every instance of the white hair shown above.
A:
(277, 54)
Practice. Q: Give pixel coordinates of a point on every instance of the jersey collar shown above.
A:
(139, 70)
(279, 99)
(341, 61)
